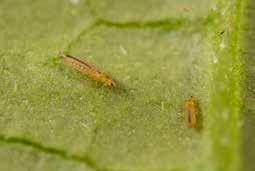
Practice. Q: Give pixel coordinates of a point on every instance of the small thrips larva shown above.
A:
(89, 70)
(190, 112)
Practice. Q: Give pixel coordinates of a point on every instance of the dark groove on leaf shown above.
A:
(167, 23)
(52, 151)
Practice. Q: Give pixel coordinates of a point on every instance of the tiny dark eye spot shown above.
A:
(113, 84)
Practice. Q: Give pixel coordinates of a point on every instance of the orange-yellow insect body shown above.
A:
(190, 112)
(89, 70)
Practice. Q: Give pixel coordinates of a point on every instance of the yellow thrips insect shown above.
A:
(89, 70)
(190, 112)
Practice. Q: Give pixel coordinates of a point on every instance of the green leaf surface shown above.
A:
(248, 53)
(160, 52)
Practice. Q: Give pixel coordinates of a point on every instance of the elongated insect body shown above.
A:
(190, 112)
(88, 70)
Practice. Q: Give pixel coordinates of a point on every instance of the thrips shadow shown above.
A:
(200, 118)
